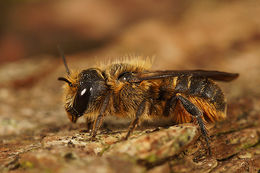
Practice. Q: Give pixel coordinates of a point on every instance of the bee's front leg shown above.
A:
(99, 119)
(97, 124)
(139, 112)
(89, 123)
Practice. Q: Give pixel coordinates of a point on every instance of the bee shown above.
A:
(129, 88)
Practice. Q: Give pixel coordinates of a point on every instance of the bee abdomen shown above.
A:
(202, 88)
(197, 86)
(182, 84)
(208, 90)
(173, 85)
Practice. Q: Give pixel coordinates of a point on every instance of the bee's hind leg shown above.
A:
(133, 124)
(195, 112)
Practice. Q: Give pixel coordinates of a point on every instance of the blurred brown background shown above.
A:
(182, 34)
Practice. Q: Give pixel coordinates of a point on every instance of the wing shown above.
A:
(215, 75)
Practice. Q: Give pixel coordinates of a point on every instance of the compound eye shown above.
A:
(81, 100)
(83, 92)
(126, 76)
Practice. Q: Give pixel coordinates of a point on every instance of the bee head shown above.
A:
(82, 91)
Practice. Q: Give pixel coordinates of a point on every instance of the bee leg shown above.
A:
(89, 123)
(139, 112)
(171, 103)
(194, 111)
(100, 117)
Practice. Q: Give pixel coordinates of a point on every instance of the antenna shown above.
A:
(64, 59)
(65, 80)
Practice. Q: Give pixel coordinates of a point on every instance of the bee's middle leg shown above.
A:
(133, 124)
